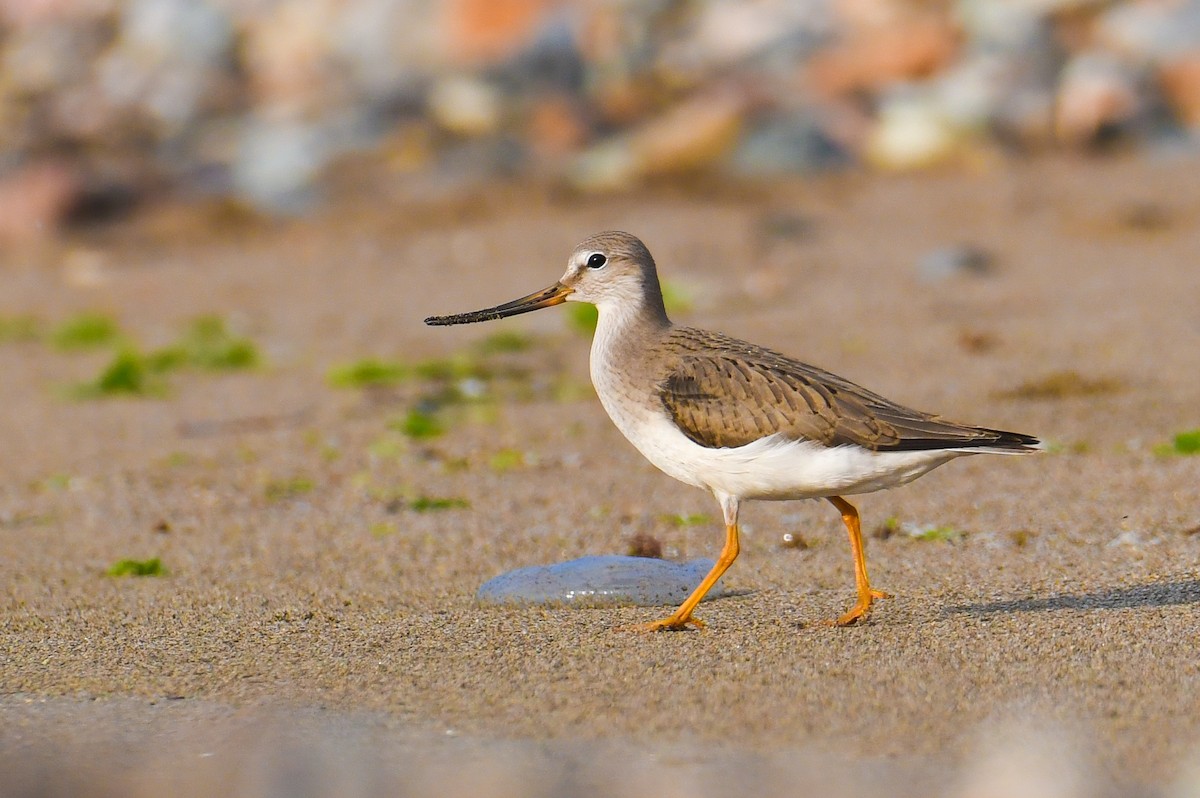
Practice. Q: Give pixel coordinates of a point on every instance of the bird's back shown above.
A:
(724, 392)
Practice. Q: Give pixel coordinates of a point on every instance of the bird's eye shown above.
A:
(597, 260)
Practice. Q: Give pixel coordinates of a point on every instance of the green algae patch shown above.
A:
(1184, 443)
(935, 533)
(280, 489)
(367, 373)
(151, 567)
(506, 460)
(208, 344)
(85, 331)
(677, 297)
(129, 373)
(687, 519)
(425, 504)
(456, 367)
(582, 317)
(419, 425)
(382, 529)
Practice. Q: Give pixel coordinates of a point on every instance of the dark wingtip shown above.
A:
(1018, 440)
(1015, 442)
(982, 439)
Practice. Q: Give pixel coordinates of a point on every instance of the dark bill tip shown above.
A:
(554, 295)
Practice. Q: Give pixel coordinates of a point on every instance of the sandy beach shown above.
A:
(315, 633)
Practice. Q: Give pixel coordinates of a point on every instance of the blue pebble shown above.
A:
(601, 581)
(948, 261)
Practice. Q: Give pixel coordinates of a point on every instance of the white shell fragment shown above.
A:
(601, 581)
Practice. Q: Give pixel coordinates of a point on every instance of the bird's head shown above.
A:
(609, 270)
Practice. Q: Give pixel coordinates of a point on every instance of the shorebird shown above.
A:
(739, 420)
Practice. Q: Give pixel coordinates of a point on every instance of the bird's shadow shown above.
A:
(1155, 594)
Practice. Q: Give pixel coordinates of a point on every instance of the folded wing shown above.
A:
(728, 393)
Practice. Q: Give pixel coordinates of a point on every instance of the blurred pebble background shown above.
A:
(105, 104)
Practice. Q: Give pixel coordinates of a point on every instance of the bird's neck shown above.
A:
(626, 330)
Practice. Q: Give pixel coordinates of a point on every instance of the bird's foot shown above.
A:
(860, 610)
(669, 624)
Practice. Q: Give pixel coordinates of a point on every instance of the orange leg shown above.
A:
(865, 594)
(682, 617)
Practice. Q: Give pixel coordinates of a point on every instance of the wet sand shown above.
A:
(314, 631)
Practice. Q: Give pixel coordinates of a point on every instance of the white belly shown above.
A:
(777, 468)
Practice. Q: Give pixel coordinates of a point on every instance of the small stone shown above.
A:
(384, 47)
(969, 93)
(792, 540)
(465, 106)
(977, 342)
(794, 143)
(730, 32)
(688, 137)
(910, 133)
(645, 545)
(1131, 538)
(489, 31)
(622, 101)
(1147, 32)
(683, 140)
(551, 63)
(880, 55)
(178, 31)
(944, 262)
(43, 59)
(608, 166)
(35, 200)
(85, 268)
(555, 127)
(277, 163)
(1097, 94)
(1026, 116)
(1179, 79)
(285, 51)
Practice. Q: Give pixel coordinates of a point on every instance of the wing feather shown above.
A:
(727, 393)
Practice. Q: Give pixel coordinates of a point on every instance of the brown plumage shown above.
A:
(725, 393)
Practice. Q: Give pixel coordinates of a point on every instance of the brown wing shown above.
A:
(727, 393)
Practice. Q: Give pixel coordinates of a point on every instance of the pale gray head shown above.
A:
(612, 270)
